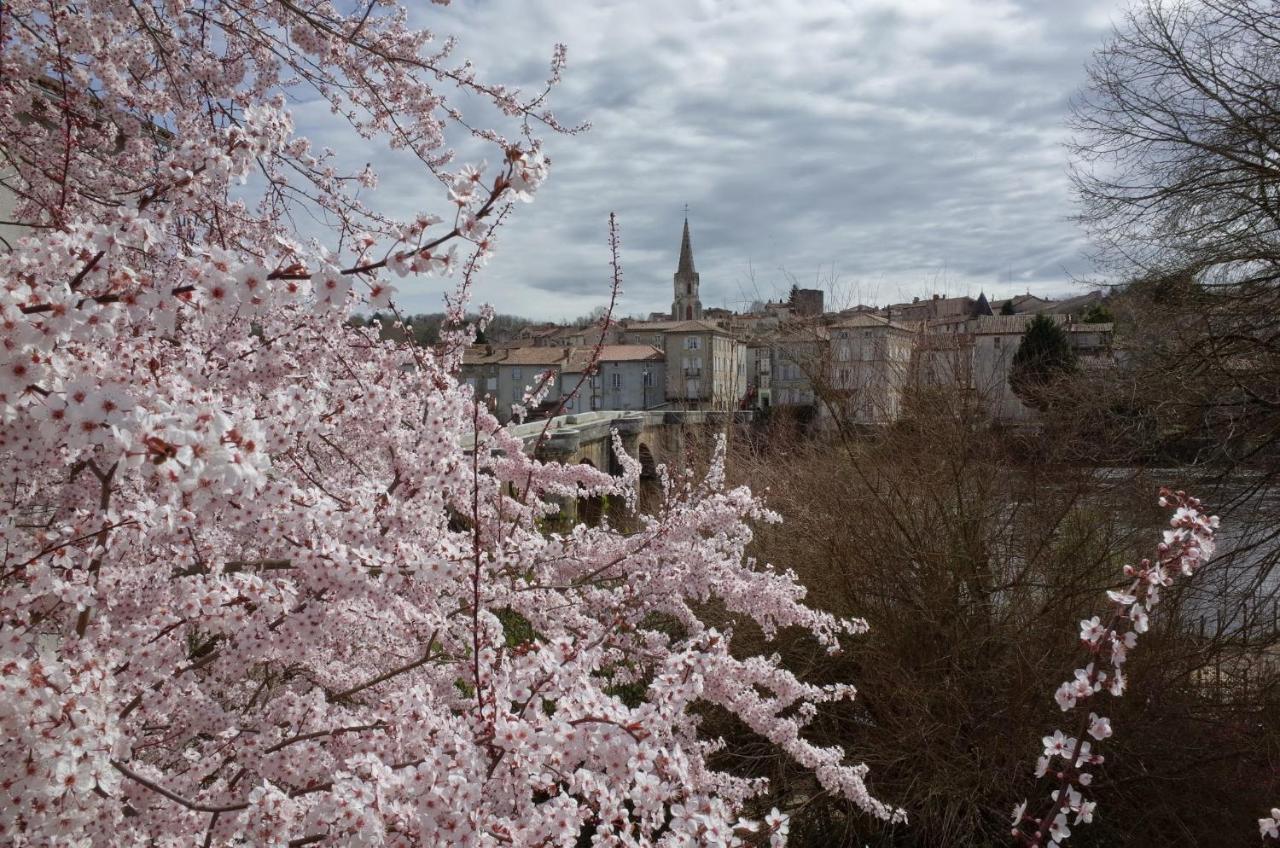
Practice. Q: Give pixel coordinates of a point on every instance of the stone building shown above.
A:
(645, 332)
(625, 377)
(502, 376)
(759, 373)
(932, 309)
(801, 356)
(870, 366)
(706, 367)
(995, 341)
(806, 303)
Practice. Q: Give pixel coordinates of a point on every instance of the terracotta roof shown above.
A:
(581, 357)
(515, 356)
(867, 319)
(696, 327)
(648, 326)
(800, 335)
(1004, 325)
(962, 300)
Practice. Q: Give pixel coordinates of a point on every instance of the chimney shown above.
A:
(937, 297)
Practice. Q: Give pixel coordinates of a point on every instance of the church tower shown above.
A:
(686, 306)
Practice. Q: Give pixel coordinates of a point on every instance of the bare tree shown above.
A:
(1177, 167)
(1177, 138)
(973, 567)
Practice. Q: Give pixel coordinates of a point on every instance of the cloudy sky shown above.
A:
(876, 148)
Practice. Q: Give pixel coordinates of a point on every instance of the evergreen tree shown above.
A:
(1097, 313)
(1042, 359)
(1007, 309)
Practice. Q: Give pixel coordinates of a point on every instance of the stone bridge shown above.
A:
(653, 437)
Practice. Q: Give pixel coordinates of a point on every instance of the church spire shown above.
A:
(686, 252)
(686, 306)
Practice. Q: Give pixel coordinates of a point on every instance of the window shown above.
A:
(515, 373)
(517, 392)
(491, 384)
(694, 389)
(617, 380)
(568, 404)
(648, 378)
(595, 403)
(693, 343)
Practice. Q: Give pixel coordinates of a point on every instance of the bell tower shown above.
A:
(686, 306)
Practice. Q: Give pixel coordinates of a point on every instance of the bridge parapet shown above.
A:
(587, 436)
(652, 437)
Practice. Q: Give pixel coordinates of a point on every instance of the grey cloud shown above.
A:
(899, 146)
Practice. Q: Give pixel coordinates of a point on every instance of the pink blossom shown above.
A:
(1091, 630)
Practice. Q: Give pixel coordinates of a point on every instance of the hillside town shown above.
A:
(867, 362)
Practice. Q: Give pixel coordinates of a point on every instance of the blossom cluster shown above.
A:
(1185, 546)
(267, 578)
(1269, 826)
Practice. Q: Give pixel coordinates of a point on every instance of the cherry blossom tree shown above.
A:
(267, 579)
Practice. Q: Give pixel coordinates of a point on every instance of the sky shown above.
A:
(879, 149)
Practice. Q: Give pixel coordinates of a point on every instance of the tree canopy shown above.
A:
(1043, 357)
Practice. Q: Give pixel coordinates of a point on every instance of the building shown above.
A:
(801, 356)
(806, 303)
(645, 332)
(503, 376)
(1021, 304)
(932, 309)
(706, 366)
(995, 341)
(870, 367)
(759, 374)
(624, 377)
(687, 306)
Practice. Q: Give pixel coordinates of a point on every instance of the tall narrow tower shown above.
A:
(686, 306)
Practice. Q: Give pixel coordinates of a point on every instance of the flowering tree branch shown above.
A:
(1187, 545)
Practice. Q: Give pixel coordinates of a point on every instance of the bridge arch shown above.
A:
(590, 507)
(648, 463)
